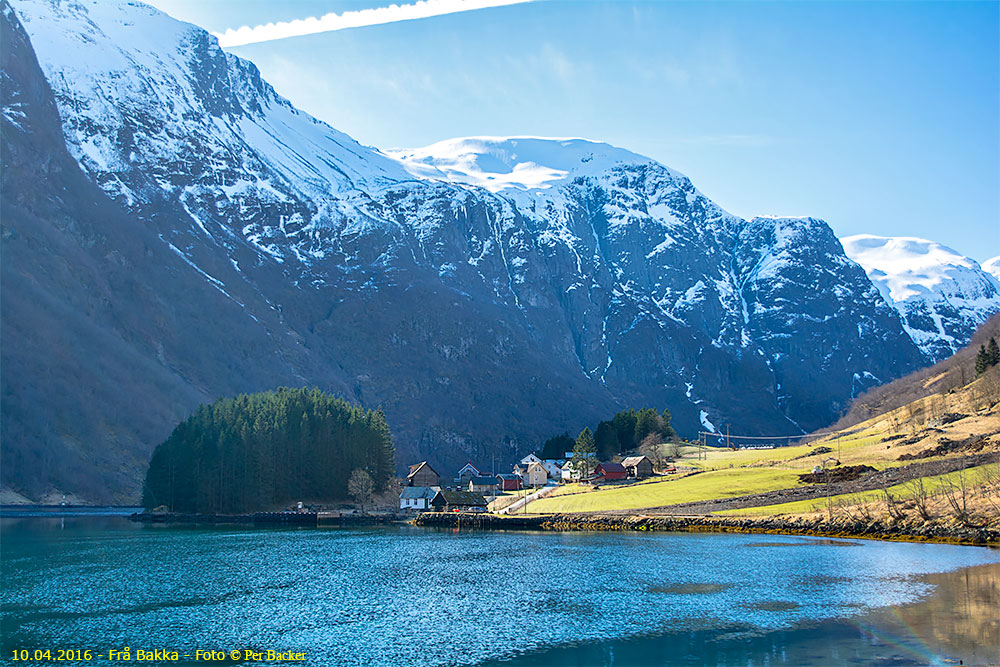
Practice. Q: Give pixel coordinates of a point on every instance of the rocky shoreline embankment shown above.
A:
(875, 529)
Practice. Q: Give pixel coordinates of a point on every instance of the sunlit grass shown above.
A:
(703, 486)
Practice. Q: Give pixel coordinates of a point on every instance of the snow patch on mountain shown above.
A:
(941, 295)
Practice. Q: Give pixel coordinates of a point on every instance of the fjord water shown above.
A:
(411, 596)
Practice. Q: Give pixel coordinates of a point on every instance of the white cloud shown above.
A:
(353, 19)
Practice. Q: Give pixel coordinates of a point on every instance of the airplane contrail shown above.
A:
(353, 19)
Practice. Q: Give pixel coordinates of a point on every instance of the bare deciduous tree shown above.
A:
(360, 487)
(650, 447)
(892, 504)
(956, 492)
(921, 497)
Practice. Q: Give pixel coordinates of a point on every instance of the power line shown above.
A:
(716, 434)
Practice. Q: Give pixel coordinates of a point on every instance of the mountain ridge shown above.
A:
(482, 321)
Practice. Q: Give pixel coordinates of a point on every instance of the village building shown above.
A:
(467, 472)
(510, 481)
(422, 474)
(529, 459)
(610, 471)
(457, 501)
(567, 472)
(553, 467)
(638, 467)
(417, 497)
(484, 485)
(536, 475)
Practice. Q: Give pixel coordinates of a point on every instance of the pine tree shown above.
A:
(584, 452)
(557, 446)
(992, 352)
(624, 423)
(982, 360)
(606, 440)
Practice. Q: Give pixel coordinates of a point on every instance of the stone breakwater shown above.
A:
(877, 529)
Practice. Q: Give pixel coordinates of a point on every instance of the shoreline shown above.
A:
(873, 530)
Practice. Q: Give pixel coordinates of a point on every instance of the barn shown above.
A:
(509, 482)
(609, 470)
(638, 467)
(422, 474)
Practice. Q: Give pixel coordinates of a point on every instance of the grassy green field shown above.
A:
(974, 475)
(853, 448)
(725, 473)
(703, 486)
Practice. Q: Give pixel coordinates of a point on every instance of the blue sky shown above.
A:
(879, 117)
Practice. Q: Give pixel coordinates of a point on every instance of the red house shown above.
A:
(610, 471)
(510, 482)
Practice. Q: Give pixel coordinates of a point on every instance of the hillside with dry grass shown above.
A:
(929, 463)
(947, 376)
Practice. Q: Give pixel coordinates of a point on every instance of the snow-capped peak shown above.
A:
(523, 163)
(992, 267)
(940, 293)
(908, 266)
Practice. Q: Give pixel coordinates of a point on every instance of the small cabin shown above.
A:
(536, 475)
(416, 497)
(510, 482)
(610, 470)
(457, 501)
(422, 474)
(567, 473)
(484, 485)
(638, 467)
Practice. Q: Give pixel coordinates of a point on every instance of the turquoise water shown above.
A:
(411, 596)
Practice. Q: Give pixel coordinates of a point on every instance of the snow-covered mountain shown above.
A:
(992, 267)
(942, 296)
(180, 232)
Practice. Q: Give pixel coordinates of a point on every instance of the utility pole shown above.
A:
(826, 475)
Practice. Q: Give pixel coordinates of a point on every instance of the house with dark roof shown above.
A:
(457, 501)
(510, 482)
(417, 498)
(484, 485)
(610, 470)
(638, 467)
(422, 474)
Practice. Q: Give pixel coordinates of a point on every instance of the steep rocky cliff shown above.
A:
(175, 231)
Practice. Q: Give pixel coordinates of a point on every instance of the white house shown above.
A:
(417, 497)
(528, 460)
(553, 467)
(566, 472)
